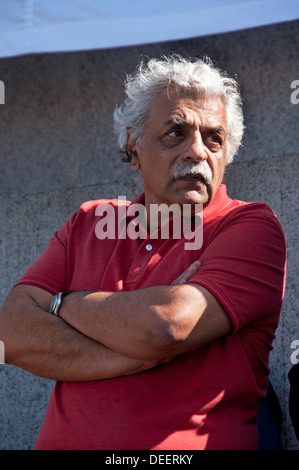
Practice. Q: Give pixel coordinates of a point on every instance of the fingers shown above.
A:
(185, 276)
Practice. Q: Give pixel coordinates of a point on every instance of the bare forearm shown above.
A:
(152, 323)
(134, 323)
(68, 355)
(47, 346)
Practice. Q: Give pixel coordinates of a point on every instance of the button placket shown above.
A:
(141, 262)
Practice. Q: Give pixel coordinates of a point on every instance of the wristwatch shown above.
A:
(56, 303)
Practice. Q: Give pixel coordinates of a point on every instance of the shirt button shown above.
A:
(148, 247)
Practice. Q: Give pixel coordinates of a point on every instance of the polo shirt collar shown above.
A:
(220, 200)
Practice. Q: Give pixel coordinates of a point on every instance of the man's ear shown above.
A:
(132, 152)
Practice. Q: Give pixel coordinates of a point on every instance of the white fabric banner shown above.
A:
(33, 26)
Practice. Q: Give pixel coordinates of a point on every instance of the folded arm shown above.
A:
(47, 346)
(102, 335)
(152, 323)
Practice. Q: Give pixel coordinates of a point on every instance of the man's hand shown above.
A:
(185, 276)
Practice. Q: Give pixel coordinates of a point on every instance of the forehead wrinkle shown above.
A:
(205, 115)
(177, 120)
(184, 117)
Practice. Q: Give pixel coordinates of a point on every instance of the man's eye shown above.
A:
(175, 133)
(215, 139)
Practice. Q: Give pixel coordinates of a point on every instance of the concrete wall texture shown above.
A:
(57, 150)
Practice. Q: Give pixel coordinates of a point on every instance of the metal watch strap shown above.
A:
(56, 302)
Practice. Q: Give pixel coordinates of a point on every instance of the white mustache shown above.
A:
(201, 168)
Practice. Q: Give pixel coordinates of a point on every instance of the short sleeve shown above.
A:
(243, 264)
(50, 270)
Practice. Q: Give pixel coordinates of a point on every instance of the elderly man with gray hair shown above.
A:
(155, 345)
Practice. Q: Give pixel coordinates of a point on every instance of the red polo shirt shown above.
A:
(205, 399)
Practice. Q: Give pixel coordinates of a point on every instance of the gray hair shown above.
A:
(196, 78)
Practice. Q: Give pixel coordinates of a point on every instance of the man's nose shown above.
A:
(195, 149)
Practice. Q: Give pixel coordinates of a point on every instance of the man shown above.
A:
(156, 346)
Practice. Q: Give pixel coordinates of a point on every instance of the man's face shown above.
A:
(182, 158)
